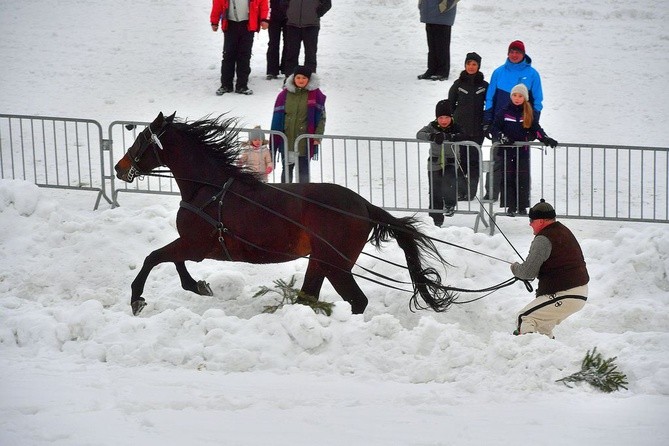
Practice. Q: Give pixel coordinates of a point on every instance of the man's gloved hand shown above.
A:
(269, 170)
(438, 137)
(504, 139)
(548, 141)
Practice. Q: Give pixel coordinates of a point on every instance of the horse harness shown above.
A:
(154, 142)
(218, 224)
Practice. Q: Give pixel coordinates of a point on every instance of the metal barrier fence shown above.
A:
(598, 182)
(53, 152)
(595, 182)
(391, 173)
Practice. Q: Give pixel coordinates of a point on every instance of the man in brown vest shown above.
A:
(555, 257)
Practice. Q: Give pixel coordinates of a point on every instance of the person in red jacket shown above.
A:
(555, 257)
(239, 19)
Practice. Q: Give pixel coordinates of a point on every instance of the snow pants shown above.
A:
(237, 45)
(548, 310)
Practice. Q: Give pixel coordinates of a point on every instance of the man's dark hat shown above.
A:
(542, 210)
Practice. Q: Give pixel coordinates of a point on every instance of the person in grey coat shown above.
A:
(302, 27)
(439, 17)
(441, 165)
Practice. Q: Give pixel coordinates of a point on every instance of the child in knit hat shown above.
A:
(256, 155)
(441, 165)
(516, 123)
(299, 109)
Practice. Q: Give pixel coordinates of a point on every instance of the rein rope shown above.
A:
(492, 220)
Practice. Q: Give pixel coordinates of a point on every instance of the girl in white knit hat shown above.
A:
(515, 123)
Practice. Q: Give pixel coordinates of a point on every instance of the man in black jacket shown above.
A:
(303, 26)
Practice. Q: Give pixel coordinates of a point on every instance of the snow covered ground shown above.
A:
(76, 368)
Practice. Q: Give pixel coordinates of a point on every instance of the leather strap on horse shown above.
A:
(218, 224)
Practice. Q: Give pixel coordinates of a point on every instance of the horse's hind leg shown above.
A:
(345, 285)
(189, 284)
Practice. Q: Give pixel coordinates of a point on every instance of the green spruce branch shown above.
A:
(598, 372)
(290, 296)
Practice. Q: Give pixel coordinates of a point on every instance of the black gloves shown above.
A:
(486, 131)
(440, 137)
(437, 138)
(548, 141)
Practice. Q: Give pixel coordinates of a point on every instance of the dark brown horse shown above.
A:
(227, 214)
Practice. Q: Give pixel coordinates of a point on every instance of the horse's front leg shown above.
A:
(178, 252)
(189, 284)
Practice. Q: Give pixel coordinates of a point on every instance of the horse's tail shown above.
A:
(417, 247)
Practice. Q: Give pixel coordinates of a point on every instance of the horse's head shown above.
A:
(138, 160)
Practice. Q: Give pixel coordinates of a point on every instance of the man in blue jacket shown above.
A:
(516, 70)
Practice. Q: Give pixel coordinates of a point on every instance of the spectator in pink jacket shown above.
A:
(256, 155)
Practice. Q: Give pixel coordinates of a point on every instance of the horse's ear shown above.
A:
(158, 122)
(170, 118)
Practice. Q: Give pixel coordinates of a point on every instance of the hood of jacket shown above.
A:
(314, 83)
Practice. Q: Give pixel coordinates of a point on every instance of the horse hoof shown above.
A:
(137, 306)
(204, 289)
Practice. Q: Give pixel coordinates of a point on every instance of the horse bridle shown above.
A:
(152, 141)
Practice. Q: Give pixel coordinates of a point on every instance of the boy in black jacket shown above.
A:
(441, 166)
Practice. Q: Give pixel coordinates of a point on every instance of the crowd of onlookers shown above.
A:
(506, 109)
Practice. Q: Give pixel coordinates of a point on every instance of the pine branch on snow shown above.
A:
(598, 372)
(291, 295)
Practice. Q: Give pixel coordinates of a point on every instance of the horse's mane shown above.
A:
(218, 137)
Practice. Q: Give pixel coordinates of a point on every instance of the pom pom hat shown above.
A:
(443, 108)
(542, 210)
(522, 89)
